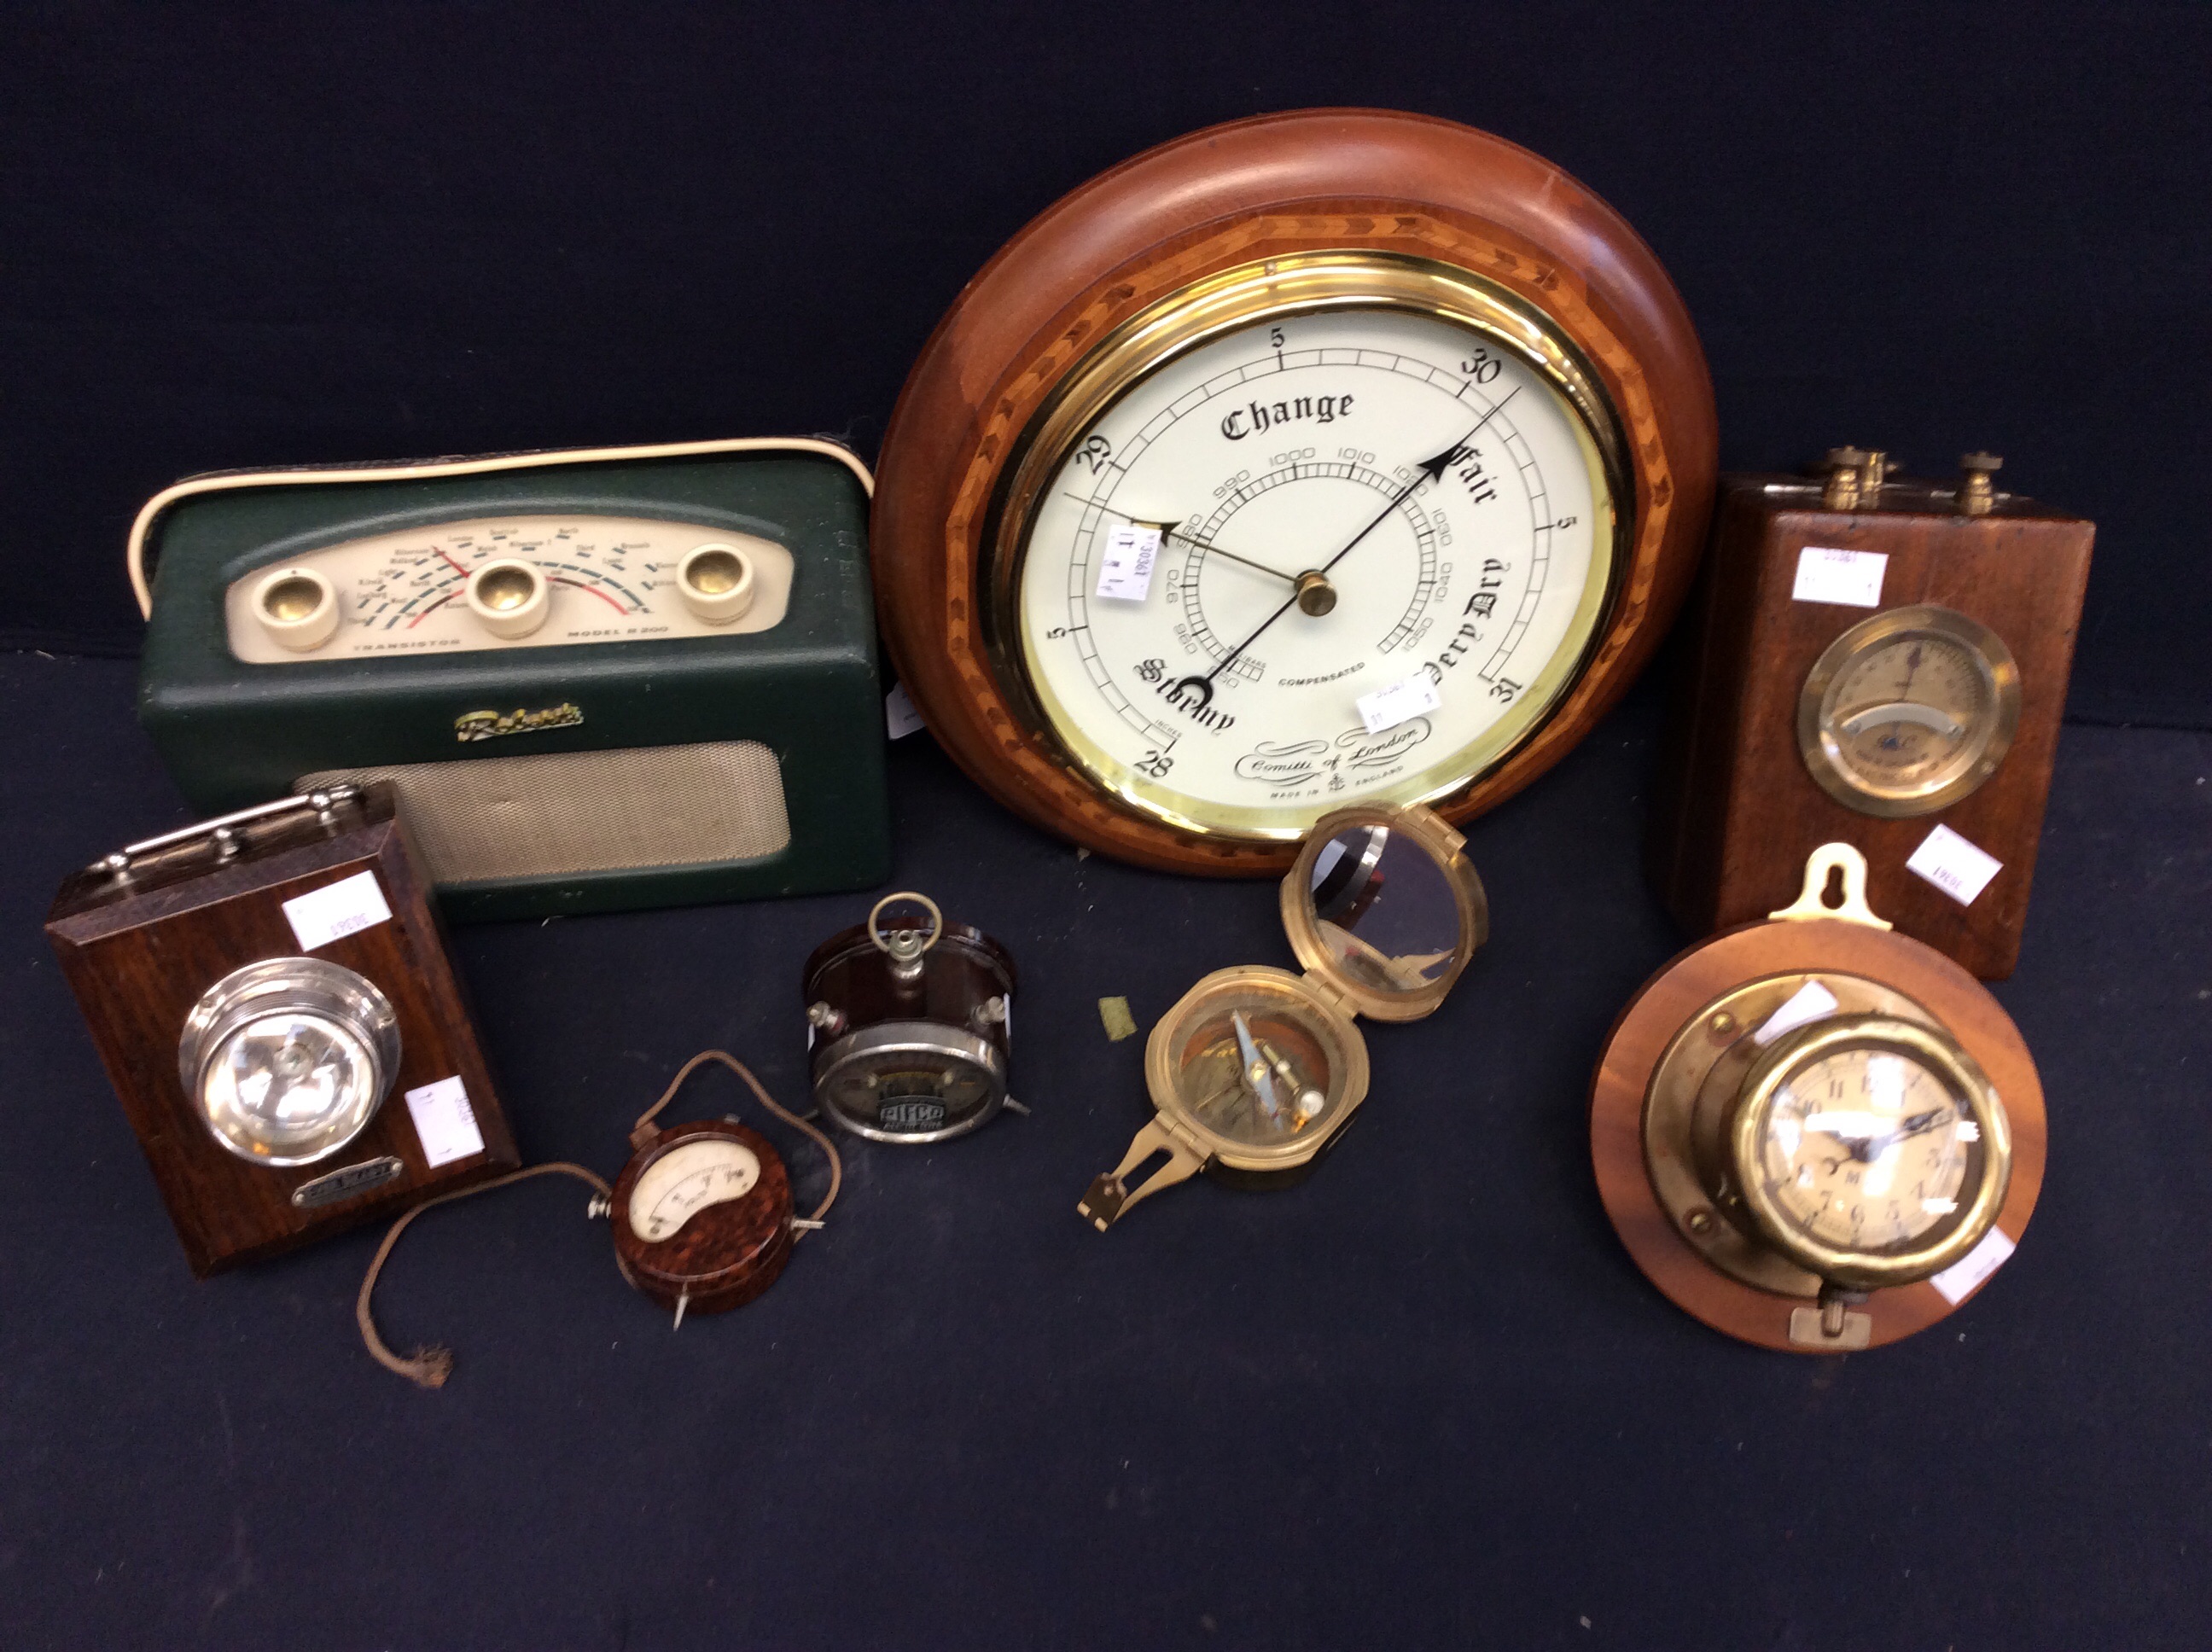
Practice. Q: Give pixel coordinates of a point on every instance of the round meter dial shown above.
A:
(703, 1216)
(911, 1081)
(1868, 1150)
(1909, 711)
(1864, 1148)
(1334, 456)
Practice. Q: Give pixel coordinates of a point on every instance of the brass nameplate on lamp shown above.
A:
(351, 1181)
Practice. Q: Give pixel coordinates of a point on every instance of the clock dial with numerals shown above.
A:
(1865, 1148)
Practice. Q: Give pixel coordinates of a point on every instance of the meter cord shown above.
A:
(429, 1366)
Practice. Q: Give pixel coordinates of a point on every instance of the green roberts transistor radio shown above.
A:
(597, 679)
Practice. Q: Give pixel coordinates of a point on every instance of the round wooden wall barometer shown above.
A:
(1335, 456)
(1814, 1133)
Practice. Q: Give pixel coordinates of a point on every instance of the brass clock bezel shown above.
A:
(1248, 295)
(1934, 1049)
(1823, 752)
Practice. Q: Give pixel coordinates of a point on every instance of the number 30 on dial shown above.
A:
(1266, 508)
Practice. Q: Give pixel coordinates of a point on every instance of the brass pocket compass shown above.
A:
(1256, 1072)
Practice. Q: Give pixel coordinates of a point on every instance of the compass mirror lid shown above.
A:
(1383, 907)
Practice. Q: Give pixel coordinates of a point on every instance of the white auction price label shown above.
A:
(900, 718)
(1959, 867)
(1400, 702)
(1960, 1280)
(1808, 1002)
(345, 907)
(1125, 572)
(445, 1122)
(1852, 578)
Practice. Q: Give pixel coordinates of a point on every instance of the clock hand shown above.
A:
(1428, 470)
(1206, 545)
(1876, 1145)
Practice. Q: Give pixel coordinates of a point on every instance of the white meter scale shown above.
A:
(509, 582)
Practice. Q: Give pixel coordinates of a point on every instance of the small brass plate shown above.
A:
(1805, 1331)
(345, 1183)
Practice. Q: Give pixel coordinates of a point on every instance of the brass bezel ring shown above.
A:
(1301, 284)
(1471, 904)
(1823, 752)
(936, 918)
(1859, 1269)
(1243, 984)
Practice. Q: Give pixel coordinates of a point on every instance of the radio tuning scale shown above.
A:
(503, 582)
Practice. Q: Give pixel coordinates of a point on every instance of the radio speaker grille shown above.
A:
(584, 811)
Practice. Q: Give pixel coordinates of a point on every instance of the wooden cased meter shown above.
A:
(272, 999)
(1880, 662)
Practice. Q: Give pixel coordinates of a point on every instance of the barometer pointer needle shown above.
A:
(1173, 530)
(1428, 470)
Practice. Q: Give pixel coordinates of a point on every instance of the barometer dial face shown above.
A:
(687, 1179)
(1322, 557)
(1866, 1149)
(1909, 711)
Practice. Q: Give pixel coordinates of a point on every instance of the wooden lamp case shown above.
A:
(145, 934)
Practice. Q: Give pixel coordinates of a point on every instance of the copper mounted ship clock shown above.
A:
(1814, 1133)
(1883, 662)
(1335, 456)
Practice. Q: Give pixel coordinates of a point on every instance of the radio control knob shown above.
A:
(297, 607)
(716, 582)
(510, 599)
